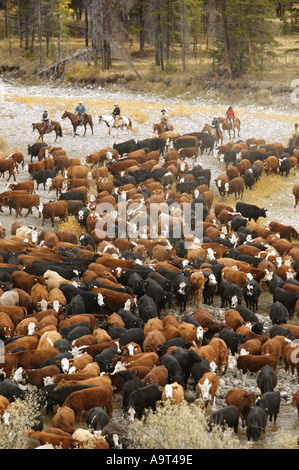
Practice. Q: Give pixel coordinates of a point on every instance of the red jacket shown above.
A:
(230, 114)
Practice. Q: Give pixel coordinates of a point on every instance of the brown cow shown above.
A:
(19, 202)
(296, 193)
(236, 187)
(36, 376)
(23, 185)
(242, 400)
(158, 374)
(154, 341)
(254, 363)
(84, 400)
(207, 387)
(7, 164)
(285, 231)
(271, 165)
(64, 419)
(54, 209)
(26, 281)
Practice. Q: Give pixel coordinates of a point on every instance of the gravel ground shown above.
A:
(21, 106)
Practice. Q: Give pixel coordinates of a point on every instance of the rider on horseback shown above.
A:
(215, 125)
(116, 115)
(164, 118)
(294, 133)
(230, 116)
(80, 111)
(45, 118)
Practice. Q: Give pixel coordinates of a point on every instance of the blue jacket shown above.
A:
(80, 109)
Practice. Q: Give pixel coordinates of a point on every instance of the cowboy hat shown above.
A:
(80, 102)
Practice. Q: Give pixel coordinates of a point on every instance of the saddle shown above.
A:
(116, 121)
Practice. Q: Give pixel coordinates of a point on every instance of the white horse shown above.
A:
(110, 122)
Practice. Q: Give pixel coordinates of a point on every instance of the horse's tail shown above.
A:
(130, 124)
(60, 131)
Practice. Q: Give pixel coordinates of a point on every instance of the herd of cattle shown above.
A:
(86, 317)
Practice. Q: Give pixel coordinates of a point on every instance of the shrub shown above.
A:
(22, 416)
(178, 427)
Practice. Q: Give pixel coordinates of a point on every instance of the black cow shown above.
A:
(97, 418)
(225, 417)
(251, 292)
(10, 390)
(42, 176)
(165, 283)
(147, 308)
(284, 166)
(68, 329)
(125, 147)
(34, 149)
(255, 155)
(250, 211)
(230, 294)
(256, 423)
(175, 371)
(93, 302)
(78, 331)
(178, 342)
(130, 319)
(82, 216)
(154, 290)
(232, 339)
(266, 379)
(185, 142)
(270, 402)
(182, 289)
(105, 358)
(248, 178)
(278, 313)
(207, 143)
(131, 383)
(136, 283)
(279, 330)
(85, 239)
(230, 156)
(72, 196)
(143, 398)
(132, 335)
(288, 299)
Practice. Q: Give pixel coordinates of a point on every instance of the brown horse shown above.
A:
(213, 133)
(294, 140)
(42, 129)
(160, 127)
(76, 121)
(226, 125)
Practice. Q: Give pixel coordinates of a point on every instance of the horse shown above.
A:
(42, 129)
(227, 126)
(76, 121)
(217, 136)
(294, 140)
(110, 122)
(161, 127)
